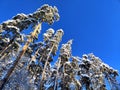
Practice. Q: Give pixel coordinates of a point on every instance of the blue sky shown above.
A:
(94, 25)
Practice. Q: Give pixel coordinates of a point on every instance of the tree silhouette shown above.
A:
(25, 62)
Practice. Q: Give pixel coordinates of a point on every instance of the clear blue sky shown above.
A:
(93, 24)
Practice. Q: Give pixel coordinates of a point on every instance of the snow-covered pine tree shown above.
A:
(25, 62)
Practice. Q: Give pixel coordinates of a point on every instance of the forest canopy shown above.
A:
(25, 62)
